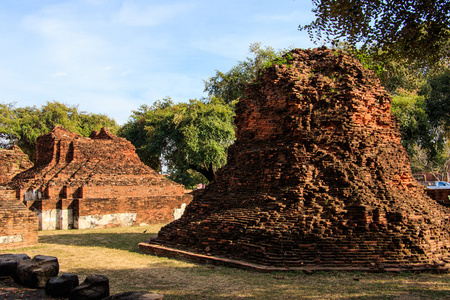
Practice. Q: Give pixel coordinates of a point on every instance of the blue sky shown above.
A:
(111, 56)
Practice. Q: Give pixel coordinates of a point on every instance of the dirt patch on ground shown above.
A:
(11, 290)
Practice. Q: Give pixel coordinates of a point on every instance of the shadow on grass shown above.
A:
(120, 241)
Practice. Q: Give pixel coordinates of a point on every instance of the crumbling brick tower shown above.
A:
(317, 177)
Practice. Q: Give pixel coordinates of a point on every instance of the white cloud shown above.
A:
(126, 73)
(59, 74)
(226, 46)
(140, 13)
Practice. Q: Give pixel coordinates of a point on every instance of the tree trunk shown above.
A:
(207, 172)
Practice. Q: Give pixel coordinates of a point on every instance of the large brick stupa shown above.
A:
(317, 177)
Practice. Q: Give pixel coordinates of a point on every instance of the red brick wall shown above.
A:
(18, 225)
(150, 210)
(88, 192)
(12, 162)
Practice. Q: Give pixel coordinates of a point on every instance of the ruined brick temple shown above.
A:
(317, 178)
(80, 182)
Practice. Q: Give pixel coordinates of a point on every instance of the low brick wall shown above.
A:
(110, 212)
(83, 213)
(440, 195)
(18, 225)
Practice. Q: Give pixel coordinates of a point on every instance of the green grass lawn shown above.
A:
(113, 252)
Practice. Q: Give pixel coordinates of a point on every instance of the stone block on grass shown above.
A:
(34, 273)
(61, 286)
(8, 263)
(94, 287)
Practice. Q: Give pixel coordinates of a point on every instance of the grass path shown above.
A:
(113, 252)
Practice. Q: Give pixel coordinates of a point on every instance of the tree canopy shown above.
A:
(397, 76)
(437, 92)
(423, 141)
(424, 118)
(185, 136)
(23, 125)
(418, 30)
(230, 86)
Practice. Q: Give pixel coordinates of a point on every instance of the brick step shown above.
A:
(7, 206)
(8, 195)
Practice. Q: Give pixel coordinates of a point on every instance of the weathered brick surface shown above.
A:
(317, 176)
(12, 161)
(96, 176)
(18, 225)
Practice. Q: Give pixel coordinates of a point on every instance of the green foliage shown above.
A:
(437, 93)
(183, 136)
(395, 75)
(415, 30)
(230, 86)
(135, 132)
(23, 125)
(279, 60)
(421, 140)
(188, 177)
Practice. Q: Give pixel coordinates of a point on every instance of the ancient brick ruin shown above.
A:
(80, 182)
(12, 162)
(18, 225)
(317, 178)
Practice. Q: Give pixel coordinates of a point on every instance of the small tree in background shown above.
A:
(186, 136)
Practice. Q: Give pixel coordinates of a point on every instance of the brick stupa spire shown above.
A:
(317, 177)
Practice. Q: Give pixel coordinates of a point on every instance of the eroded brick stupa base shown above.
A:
(317, 178)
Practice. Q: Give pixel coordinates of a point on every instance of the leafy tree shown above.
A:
(23, 125)
(417, 30)
(185, 136)
(421, 139)
(437, 93)
(134, 131)
(230, 86)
